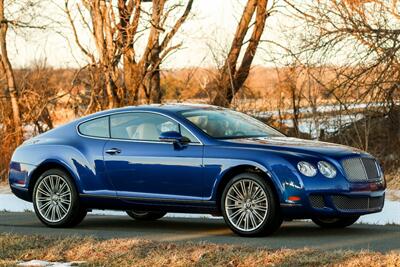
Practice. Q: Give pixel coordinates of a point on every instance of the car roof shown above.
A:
(170, 107)
(177, 107)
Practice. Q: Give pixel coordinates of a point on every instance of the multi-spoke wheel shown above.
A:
(56, 201)
(332, 222)
(145, 215)
(249, 206)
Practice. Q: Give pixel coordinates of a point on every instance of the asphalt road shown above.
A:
(291, 235)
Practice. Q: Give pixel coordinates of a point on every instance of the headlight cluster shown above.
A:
(306, 168)
(309, 170)
(327, 169)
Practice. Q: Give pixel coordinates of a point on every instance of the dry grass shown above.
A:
(393, 181)
(135, 252)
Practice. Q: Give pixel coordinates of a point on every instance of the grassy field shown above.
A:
(135, 252)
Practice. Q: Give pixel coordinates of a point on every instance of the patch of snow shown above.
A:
(389, 215)
(9, 202)
(329, 124)
(34, 263)
(318, 109)
(322, 119)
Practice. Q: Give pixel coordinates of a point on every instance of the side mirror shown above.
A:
(173, 137)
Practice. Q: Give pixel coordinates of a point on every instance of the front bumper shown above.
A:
(357, 200)
(342, 204)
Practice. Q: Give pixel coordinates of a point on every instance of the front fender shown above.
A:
(277, 167)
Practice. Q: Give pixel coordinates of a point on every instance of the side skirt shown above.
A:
(148, 204)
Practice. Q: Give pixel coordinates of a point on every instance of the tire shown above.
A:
(254, 215)
(145, 215)
(56, 200)
(335, 222)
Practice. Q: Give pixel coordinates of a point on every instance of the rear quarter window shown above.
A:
(95, 128)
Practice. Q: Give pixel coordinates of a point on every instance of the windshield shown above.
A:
(227, 124)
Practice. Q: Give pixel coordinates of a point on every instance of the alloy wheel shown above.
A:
(246, 205)
(53, 198)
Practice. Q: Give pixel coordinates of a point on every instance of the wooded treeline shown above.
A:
(339, 53)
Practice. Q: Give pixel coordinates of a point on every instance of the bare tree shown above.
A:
(289, 85)
(9, 74)
(356, 45)
(364, 34)
(17, 15)
(116, 27)
(18, 18)
(234, 72)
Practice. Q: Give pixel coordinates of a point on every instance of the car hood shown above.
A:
(299, 146)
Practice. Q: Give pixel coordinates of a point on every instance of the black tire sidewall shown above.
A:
(273, 219)
(76, 212)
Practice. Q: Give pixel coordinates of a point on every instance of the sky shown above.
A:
(210, 28)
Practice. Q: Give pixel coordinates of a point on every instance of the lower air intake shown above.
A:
(317, 201)
(355, 204)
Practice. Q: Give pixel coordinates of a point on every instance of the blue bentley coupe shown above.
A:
(150, 160)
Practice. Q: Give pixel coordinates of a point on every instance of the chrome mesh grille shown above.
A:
(371, 168)
(317, 201)
(361, 169)
(360, 203)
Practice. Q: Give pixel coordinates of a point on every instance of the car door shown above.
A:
(140, 166)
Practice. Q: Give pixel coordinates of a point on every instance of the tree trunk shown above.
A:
(226, 82)
(154, 77)
(129, 78)
(133, 78)
(244, 69)
(11, 87)
(295, 110)
(111, 89)
(155, 87)
(231, 79)
(114, 37)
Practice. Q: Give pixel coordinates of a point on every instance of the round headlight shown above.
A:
(327, 169)
(306, 168)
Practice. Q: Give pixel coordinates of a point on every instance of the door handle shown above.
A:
(113, 151)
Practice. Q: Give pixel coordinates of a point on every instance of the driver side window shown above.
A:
(143, 126)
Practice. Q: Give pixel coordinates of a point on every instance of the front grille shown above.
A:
(361, 169)
(371, 168)
(317, 201)
(345, 203)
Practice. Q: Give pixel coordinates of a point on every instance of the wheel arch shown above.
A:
(233, 171)
(45, 166)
